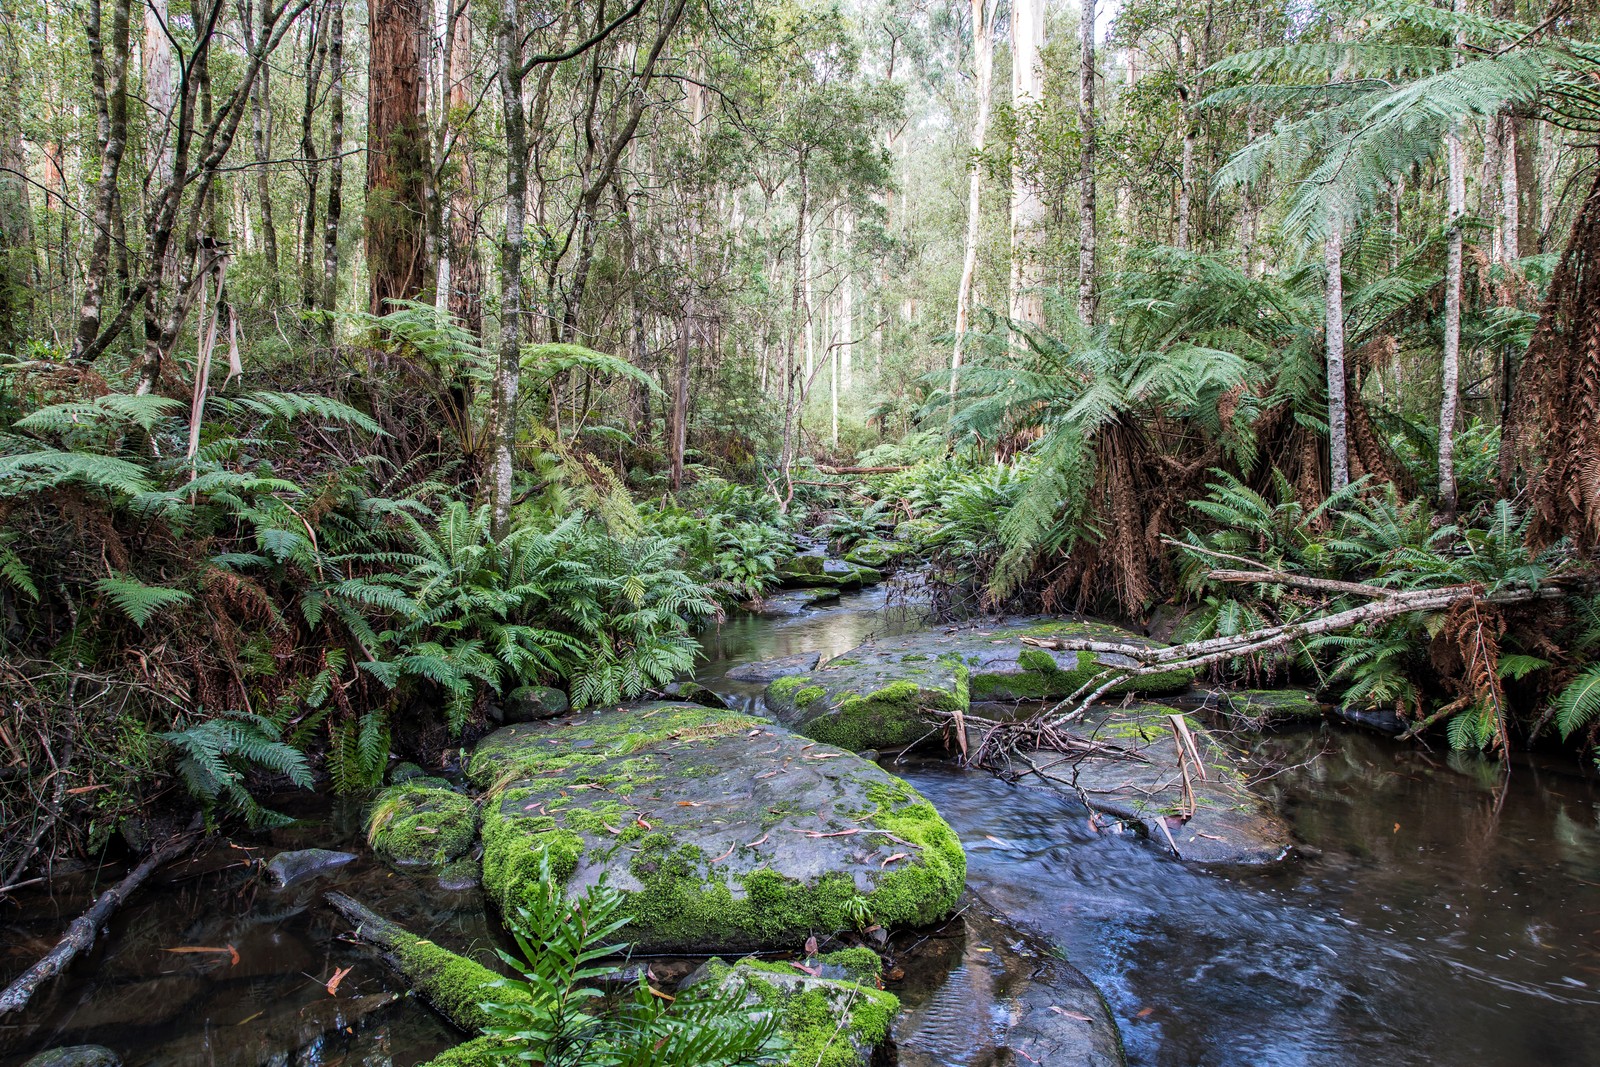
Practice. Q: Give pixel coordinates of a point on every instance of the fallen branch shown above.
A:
(83, 930)
(861, 470)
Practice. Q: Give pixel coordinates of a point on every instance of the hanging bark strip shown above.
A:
(83, 930)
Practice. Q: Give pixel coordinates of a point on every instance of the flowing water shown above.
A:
(1448, 912)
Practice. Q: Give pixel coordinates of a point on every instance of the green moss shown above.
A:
(453, 984)
(915, 893)
(479, 1052)
(1040, 678)
(860, 963)
(810, 693)
(826, 1023)
(416, 823)
(785, 688)
(884, 718)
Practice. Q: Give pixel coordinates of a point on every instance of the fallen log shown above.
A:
(862, 470)
(83, 930)
(451, 984)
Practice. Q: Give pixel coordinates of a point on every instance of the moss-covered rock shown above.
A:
(1260, 709)
(530, 703)
(1003, 668)
(479, 1052)
(879, 555)
(725, 831)
(1205, 812)
(813, 572)
(876, 696)
(417, 824)
(826, 1022)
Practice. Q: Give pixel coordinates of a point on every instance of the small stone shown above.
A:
(76, 1056)
(287, 868)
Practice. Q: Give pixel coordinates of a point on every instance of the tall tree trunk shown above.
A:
(260, 136)
(316, 59)
(1450, 372)
(1451, 369)
(465, 266)
(792, 395)
(16, 217)
(1027, 206)
(695, 198)
(1510, 192)
(109, 82)
(328, 296)
(847, 304)
(397, 155)
(1338, 438)
(1086, 163)
(508, 368)
(983, 12)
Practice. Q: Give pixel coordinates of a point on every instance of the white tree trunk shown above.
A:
(847, 306)
(1451, 369)
(1338, 441)
(983, 62)
(1027, 205)
(1510, 192)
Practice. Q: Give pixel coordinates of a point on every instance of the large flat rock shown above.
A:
(1209, 815)
(886, 693)
(727, 831)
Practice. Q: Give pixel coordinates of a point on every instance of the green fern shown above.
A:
(138, 601)
(1579, 703)
(215, 754)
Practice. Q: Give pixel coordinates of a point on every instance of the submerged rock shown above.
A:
(1205, 812)
(1017, 1001)
(1258, 709)
(287, 868)
(421, 825)
(770, 669)
(725, 831)
(838, 1019)
(76, 1056)
(779, 605)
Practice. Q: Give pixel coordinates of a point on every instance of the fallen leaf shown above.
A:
(769, 774)
(815, 972)
(1396, 827)
(1080, 1016)
(811, 945)
(689, 803)
(760, 840)
(612, 830)
(251, 1019)
(87, 789)
(227, 950)
(896, 974)
(754, 733)
(819, 833)
(724, 856)
(668, 997)
(891, 859)
(338, 976)
(1144, 1013)
(640, 821)
(1208, 837)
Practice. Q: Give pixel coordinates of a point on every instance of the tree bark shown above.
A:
(1087, 229)
(328, 294)
(109, 85)
(397, 156)
(1450, 375)
(465, 266)
(508, 368)
(310, 162)
(260, 137)
(1027, 205)
(983, 12)
(1338, 439)
(16, 216)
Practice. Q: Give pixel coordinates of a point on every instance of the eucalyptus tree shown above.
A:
(984, 14)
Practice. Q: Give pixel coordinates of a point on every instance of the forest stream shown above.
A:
(1440, 906)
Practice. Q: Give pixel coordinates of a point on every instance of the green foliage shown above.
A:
(556, 1016)
(139, 601)
(215, 754)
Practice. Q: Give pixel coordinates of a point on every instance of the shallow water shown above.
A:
(1450, 913)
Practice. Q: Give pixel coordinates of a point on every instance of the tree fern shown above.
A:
(138, 601)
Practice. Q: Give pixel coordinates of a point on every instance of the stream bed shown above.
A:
(1445, 910)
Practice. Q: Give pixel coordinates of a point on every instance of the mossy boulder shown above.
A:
(418, 825)
(826, 1022)
(819, 572)
(725, 831)
(878, 555)
(1003, 668)
(530, 703)
(880, 695)
(1204, 812)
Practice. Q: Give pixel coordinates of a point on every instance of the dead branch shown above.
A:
(861, 470)
(83, 930)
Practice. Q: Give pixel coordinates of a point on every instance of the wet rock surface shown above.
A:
(76, 1056)
(297, 865)
(768, 670)
(1256, 709)
(1202, 810)
(1010, 998)
(727, 831)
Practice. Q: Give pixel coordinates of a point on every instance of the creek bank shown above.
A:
(726, 832)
